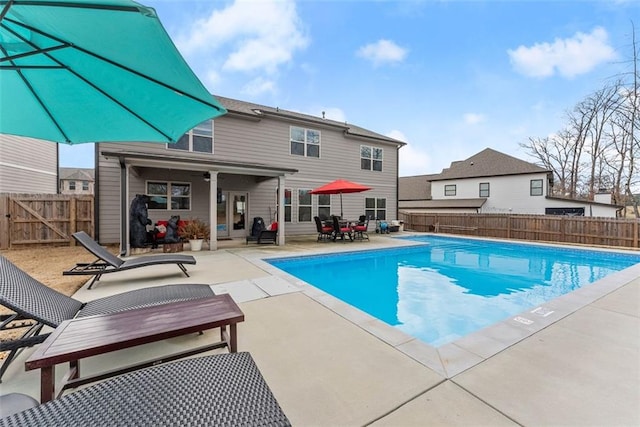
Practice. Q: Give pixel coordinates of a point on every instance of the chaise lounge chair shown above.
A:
(33, 301)
(109, 263)
(224, 389)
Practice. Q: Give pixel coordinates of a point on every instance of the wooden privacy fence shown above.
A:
(596, 231)
(36, 219)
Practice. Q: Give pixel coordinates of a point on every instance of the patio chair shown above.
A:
(341, 230)
(360, 230)
(109, 263)
(324, 232)
(223, 389)
(36, 305)
(261, 234)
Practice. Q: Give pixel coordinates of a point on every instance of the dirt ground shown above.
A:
(46, 264)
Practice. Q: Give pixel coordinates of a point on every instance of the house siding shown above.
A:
(507, 194)
(265, 142)
(28, 165)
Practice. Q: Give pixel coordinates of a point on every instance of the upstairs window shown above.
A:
(305, 142)
(169, 195)
(450, 190)
(370, 158)
(85, 185)
(484, 189)
(198, 140)
(535, 187)
(72, 185)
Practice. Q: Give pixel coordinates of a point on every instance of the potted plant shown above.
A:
(195, 231)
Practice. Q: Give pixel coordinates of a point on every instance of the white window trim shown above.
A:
(310, 205)
(168, 194)
(190, 134)
(371, 159)
(306, 143)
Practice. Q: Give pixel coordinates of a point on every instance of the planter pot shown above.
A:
(195, 245)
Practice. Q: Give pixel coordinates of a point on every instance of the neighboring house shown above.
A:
(240, 166)
(28, 165)
(76, 181)
(493, 182)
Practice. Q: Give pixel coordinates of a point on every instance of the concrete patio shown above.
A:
(329, 364)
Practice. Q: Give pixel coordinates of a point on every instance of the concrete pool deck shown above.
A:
(576, 361)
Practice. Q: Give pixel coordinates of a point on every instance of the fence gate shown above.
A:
(36, 219)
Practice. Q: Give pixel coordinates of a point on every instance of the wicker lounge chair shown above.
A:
(36, 305)
(220, 390)
(109, 263)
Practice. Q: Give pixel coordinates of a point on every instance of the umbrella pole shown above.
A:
(341, 214)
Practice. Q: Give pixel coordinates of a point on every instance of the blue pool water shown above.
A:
(447, 288)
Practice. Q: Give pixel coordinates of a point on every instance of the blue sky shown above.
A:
(450, 78)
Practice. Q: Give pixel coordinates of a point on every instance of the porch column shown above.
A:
(281, 182)
(213, 210)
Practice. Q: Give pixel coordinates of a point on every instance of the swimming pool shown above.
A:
(448, 287)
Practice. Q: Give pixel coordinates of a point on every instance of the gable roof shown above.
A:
(417, 187)
(488, 162)
(78, 174)
(258, 111)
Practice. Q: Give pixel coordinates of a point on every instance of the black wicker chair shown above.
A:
(36, 305)
(109, 263)
(220, 390)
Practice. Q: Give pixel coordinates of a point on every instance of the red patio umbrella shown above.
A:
(340, 186)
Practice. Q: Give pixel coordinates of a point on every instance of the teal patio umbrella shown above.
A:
(95, 71)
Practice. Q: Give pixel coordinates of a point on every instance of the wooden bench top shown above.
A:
(83, 337)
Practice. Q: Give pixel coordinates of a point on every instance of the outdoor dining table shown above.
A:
(84, 337)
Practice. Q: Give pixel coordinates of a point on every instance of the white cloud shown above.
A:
(567, 57)
(259, 86)
(261, 35)
(397, 134)
(414, 160)
(474, 118)
(382, 51)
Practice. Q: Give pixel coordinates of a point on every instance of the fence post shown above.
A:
(4, 222)
(635, 233)
(73, 214)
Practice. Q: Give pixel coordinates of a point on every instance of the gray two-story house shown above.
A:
(255, 161)
(28, 165)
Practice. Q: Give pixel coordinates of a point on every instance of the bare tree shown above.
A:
(599, 147)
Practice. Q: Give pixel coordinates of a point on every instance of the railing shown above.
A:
(595, 231)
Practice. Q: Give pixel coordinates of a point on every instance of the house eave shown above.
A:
(197, 164)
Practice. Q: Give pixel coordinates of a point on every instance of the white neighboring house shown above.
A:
(494, 182)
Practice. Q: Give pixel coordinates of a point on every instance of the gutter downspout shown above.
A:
(96, 193)
(398, 181)
(123, 207)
